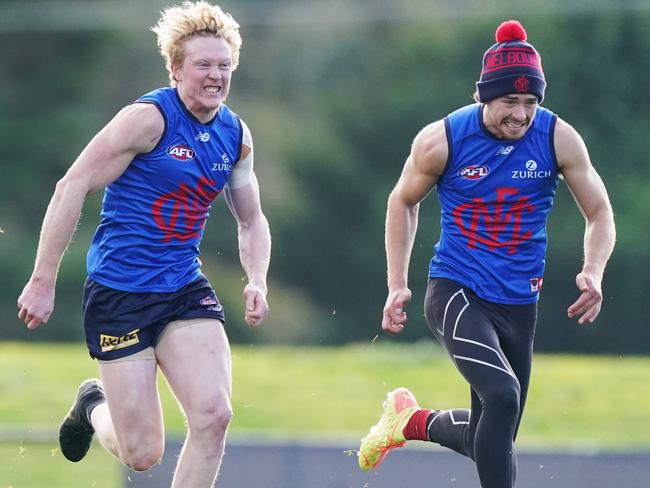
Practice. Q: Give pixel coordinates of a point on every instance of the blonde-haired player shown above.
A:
(147, 306)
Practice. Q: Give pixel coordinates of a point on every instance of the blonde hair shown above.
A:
(178, 23)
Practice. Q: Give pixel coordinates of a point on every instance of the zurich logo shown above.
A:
(531, 165)
(531, 171)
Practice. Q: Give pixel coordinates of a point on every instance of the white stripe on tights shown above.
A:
(506, 367)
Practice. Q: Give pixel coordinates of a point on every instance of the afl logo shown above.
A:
(473, 172)
(181, 152)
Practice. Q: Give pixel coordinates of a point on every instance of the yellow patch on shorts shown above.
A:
(111, 343)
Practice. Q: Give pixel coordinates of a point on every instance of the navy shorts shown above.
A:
(118, 323)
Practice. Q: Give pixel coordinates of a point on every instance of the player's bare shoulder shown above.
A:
(430, 151)
(135, 129)
(570, 148)
(140, 123)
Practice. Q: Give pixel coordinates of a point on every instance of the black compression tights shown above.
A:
(491, 345)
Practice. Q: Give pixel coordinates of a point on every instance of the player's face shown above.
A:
(509, 117)
(203, 78)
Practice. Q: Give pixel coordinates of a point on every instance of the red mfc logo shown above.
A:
(181, 214)
(181, 152)
(495, 223)
(521, 84)
(473, 172)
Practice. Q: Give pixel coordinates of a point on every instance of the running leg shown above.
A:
(465, 329)
(129, 424)
(194, 356)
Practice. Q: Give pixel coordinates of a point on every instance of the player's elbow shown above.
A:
(401, 200)
(603, 216)
(69, 186)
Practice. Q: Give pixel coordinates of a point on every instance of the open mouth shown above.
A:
(213, 90)
(511, 124)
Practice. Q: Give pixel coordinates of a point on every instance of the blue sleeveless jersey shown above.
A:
(153, 215)
(495, 196)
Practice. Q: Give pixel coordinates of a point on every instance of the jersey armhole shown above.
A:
(240, 147)
(551, 142)
(450, 146)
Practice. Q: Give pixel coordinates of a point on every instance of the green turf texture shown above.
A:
(329, 395)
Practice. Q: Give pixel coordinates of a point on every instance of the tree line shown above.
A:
(333, 112)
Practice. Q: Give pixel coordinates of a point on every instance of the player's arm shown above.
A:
(135, 129)
(243, 198)
(600, 233)
(421, 172)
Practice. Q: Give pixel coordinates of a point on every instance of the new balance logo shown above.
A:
(202, 136)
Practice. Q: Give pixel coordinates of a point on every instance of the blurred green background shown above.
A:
(334, 93)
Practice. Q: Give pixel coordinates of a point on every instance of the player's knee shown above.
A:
(140, 462)
(143, 463)
(143, 455)
(211, 420)
(504, 398)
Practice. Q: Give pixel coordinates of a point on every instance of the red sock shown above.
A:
(416, 428)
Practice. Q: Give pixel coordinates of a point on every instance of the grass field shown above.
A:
(320, 394)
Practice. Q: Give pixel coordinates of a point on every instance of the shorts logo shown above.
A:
(181, 152)
(536, 284)
(208, 301)
(112, 343)
(473, 172)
